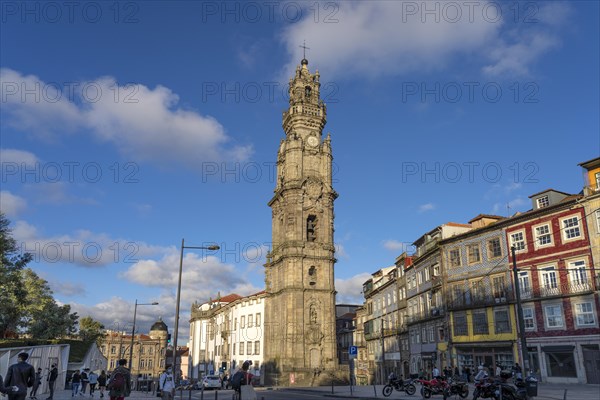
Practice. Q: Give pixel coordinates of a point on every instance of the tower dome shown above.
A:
(159, 326)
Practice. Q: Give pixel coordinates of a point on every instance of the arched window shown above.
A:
(307, 92)
(311, 228)
(312, 275)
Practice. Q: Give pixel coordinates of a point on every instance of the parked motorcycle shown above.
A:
(433, 387)
(487, 388)
(458, 387)
(397, 383)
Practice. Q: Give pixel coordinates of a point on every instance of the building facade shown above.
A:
(226, 332)
(300, 306)
(479, 297)
(148, 355)
(559, 288)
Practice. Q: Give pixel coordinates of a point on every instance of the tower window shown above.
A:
(307, 91)
(311, 228)
(312, 275)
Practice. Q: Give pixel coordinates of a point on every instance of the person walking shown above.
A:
(119, 385)
(166, 384)
(52, 381)
(93, 378)
(19, 377)
(102, 383)
(36, 384)
(84, 381)
(75, 383)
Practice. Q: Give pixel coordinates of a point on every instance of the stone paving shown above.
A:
(546, 391)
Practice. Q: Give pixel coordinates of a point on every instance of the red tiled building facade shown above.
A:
(559, 287)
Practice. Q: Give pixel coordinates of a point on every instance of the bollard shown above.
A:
(565, 395)
(216, 395)
(375, 390)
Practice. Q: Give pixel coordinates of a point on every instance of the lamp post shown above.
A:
(183, 246)
(133, 329)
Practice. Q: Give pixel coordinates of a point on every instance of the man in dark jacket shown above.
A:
(19, 377)
(52, 381)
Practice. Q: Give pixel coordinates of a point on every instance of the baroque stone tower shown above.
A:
(299, 273)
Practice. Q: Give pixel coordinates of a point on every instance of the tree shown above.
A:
(90, 330)
(12, 292)
(44, 318)
(26, 300)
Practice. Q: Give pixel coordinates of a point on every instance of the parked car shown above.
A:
(211, 382)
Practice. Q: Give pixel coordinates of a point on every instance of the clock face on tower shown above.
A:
(313, 141)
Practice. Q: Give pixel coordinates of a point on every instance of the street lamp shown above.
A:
(183, 246)
(133, 329)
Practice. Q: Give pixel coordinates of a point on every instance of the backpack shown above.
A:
(236, 380)
(117, 382)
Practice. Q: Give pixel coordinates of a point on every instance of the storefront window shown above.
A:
(561, 364)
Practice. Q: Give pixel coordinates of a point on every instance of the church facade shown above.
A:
(300, 342)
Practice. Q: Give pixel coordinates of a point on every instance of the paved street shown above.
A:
(545, 392)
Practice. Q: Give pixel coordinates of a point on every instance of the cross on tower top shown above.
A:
(304, 48)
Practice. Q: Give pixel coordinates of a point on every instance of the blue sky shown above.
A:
(127, 126)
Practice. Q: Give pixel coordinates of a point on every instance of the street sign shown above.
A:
(352, 351)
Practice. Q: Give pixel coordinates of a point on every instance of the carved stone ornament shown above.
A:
(314, 189)
(314, 334)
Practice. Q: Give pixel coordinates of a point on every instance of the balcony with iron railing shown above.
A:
(425, 315)
(469, 300)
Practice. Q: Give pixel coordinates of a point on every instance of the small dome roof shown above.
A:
(159, 326)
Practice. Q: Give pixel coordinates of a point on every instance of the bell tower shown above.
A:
(300, 340)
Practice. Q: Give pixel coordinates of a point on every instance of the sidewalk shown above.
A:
(546, 391)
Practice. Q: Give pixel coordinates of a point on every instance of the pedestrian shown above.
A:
(102, 383)
(468, 374)
(36, 384)
(166, 384)
(436, 372)
(19, 377)
(75, 383)
(93, 378)
(517, 371)
(119, 385)
(84, 381)
(52, 381)
(481, 374)
(498, 370)
(456, 372)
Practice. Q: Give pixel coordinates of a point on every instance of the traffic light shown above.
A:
(169, 338)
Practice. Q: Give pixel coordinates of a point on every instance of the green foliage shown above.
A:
(90, 330)
(26, 300)
(12, 292)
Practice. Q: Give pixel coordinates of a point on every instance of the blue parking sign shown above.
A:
(353, 351)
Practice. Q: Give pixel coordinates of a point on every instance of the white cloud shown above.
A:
(340, 251)
(379, 38)
(144, 124)
(64, 288)
(510, 207)
(18, 158)
(83, 248)
(394, 245)
(350, 290)
(426, 207)
(201, 272)
(11, 205)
